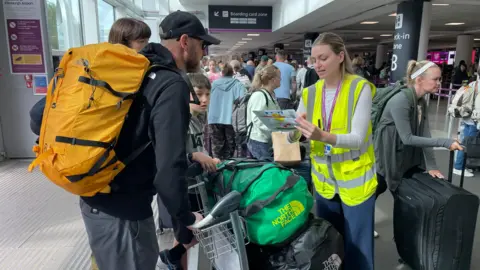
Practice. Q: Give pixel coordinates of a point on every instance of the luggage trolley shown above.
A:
(223, 231)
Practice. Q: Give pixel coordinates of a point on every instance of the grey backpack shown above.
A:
(239, 117)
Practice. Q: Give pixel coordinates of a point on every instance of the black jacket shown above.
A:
(160, 115)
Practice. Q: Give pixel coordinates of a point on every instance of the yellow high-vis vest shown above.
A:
(348, 172)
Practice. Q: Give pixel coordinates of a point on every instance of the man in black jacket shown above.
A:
(120, 225)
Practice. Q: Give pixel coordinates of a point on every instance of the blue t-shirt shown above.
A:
(287, 72)
(251, 70)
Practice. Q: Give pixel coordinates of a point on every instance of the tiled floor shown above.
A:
(41, 226)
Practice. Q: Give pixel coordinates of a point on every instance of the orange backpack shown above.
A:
(86, 105)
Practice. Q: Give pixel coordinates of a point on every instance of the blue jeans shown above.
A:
(468, 131)
(356, 224)
(260, 150)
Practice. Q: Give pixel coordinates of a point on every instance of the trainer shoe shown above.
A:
(165, 261)
(459, 172)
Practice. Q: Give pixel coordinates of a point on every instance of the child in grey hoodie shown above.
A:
(176, 258)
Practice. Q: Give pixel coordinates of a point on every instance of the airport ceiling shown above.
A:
(345, 16)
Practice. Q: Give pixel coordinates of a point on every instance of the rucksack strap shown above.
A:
(104, 84)
(154, 68)
(75, 141)
(97, 167)
(250, 126)
(258, 205)
(136, 153)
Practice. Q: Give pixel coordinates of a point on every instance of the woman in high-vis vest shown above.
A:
(334, 114)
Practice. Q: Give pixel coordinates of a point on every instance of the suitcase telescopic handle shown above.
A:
(452, 161)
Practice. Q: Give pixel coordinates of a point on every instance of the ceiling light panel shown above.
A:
(369, 22)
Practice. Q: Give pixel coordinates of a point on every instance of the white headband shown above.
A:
(422, 70)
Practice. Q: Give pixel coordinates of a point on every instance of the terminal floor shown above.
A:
(41, 226)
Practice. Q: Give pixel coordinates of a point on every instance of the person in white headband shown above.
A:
(404, 125)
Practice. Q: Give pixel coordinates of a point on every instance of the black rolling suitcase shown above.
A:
(473, 145)
(434, 222)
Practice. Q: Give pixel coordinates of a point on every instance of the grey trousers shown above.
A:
(120, 244)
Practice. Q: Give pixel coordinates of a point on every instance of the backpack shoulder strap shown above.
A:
(155, 68)
(264, 94)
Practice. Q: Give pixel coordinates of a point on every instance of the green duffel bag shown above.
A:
(275, 199)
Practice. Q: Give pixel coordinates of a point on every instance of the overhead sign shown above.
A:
(308, 40)
(23, 22)
(407, 36)
(239, 18)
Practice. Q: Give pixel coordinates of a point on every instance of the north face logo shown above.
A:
(332, 263)
(288, 213)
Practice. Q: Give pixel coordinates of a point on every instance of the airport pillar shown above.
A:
(407, 36)
(308, 40)
(381, 55)
(464, 49)
(261, 52)
(425, 30)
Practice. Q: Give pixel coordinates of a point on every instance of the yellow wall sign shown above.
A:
(27, 59)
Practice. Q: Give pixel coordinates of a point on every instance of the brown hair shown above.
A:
(337, 46)
(412, 67)
(227, 70)
(125, 30)
(264, 76)
(199, 80)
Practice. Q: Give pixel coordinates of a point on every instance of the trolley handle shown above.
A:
(228, 204)
(195, 169)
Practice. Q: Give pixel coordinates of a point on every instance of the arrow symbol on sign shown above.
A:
(216, 13)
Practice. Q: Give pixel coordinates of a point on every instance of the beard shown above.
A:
(192, 63)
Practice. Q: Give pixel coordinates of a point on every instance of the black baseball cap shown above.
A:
(181, 23)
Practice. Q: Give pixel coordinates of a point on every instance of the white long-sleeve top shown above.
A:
(360, 121)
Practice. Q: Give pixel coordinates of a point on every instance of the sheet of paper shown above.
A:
(277, 120)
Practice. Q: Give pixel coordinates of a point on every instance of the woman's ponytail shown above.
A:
(414, 66)
(257, 81)
(263, 77)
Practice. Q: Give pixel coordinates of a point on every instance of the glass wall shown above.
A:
(64, 24)
(106, 18)
(72, 23)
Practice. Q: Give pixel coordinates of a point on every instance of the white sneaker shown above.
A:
(375, 234)
(459, 172)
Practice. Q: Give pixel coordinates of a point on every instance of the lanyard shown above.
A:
(327, 125)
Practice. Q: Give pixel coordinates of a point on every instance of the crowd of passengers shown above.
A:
(120, 225)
